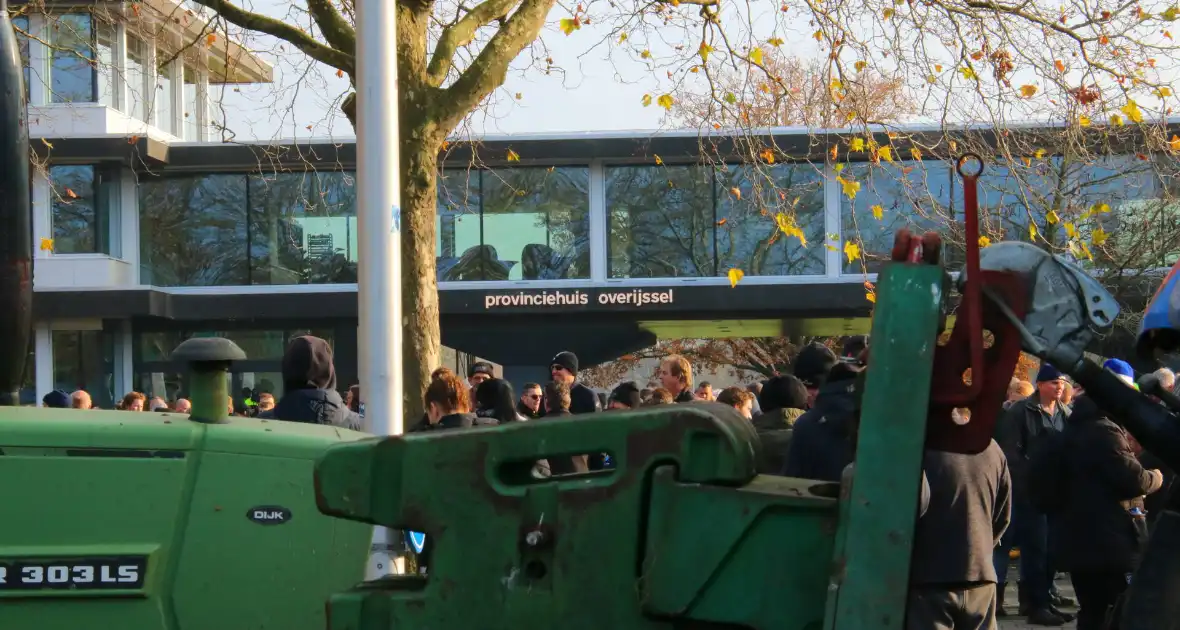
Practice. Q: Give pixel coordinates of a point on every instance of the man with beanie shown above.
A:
(56, 399)
(564, 369)
(479, 372)
(625, 396)
(1123, 370)
(822, 443)
(811, 366)
(1019, 432)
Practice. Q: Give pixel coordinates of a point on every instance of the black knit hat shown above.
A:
(813, 363)
(628, 394)
(481, 367)
(567, 360)
(56, 399)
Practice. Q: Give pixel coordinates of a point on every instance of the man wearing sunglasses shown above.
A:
(564, 369)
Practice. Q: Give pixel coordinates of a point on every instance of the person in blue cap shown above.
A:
(56, 399)
(1019, 431)
(1123, 370)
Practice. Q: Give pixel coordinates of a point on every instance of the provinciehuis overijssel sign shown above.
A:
(578, 299)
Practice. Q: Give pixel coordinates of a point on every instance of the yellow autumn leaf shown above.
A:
(513, 156)
(1116, 120)
(915, 154)
(870, 296)
(787, 225)
(984, 241)
(849, 186)
(1032, 231)
(735, 276)
(1174, 143)
(860, 65)
(1098, 237)
(1083, 121)
(736, 192)
(1131, 109)
(646, 54)
(704, 51)
(839, 167)
(622, 38)
(1028, 91)
(46, 244)
(659, 161)
(887, 13)
(818, 35)
(1100, 207)
(210, 38)
(1052, 217)
(1164, 92)
(767, 155)
(646, 100)
(756, 56)
(857, 144)
(877, 211)
(852, 251)
(836, 84)
(775, 41)
(1039, 154)
(665, 101)
(967, 73)
(1070, 230)
(569, 25)
(885, 153)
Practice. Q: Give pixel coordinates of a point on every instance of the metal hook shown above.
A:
(963, 159)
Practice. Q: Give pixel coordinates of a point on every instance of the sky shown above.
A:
(600, 78)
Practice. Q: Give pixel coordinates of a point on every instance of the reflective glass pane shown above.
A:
(191, 103)
(138, 94)
(85, 359)
(914, 195)
(72, 61)
(457, 226)
(104, 73)
(535, 223)
(192, 231)
(163, 99)
(303, 228)
(81, 206)
(661, 221)
(1012, 195)
(748, 233)
(21, 24)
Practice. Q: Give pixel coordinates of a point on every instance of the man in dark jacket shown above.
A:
(309, 387)
(1101, 529)
(782, 400)
(952, 580)
(811, 366)
(564, 369)
(1020, 431)
(821, 445)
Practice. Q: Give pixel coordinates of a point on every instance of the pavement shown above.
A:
(1018, 623)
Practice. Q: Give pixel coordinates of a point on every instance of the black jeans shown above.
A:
(1098, 594)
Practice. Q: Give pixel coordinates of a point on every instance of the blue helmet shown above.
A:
(1160, 329)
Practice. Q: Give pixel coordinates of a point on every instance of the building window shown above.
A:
(139, 92)
(83, 200)
(104, 73)
(193, 231)
(73, 66)
(21, 23)
(750, 231)
(660, 221)
(192, 122)
(910, 194)
(85, 359)
(303, 228)
(514, 224)
(163, 100)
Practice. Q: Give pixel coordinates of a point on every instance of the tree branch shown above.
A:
(290, 34)
(461, 33)
(336, 30)
(490, 68)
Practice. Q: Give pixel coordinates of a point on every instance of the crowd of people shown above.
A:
(1063, 484)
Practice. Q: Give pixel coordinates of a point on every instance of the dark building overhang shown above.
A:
(684, 146)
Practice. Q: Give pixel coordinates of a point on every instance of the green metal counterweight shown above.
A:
(682, 533)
